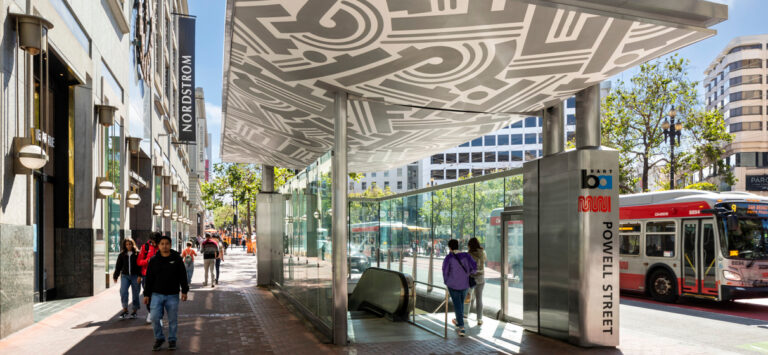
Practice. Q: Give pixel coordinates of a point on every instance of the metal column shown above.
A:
(588, 118)
(267, 178)
(339, 219)
(553, 129)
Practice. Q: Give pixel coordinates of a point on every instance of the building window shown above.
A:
(503, 139)
(570, 119)
(518, 124)
(490, 157)
(746, 110)
(438, 159)
(745, 47)
(437, 175)
(530, 122)
(463, 157)
(386, 185)
(477, 172)
(463, 173)
(503, 156)
(746, 95)
(571, 102)
(530, 155)
(477, 142)
(373, 174)
(450, 174)
(489, 171)
(477, 157)
(745, 80)
(464, 144)
(351, 185)
(569, 136)
(745, 126)
(399, 172)
(517, 155)
(386, 174)
(363, 185)
(490, 141)
(450, 158)
(745, 64)
(530, 138)
(516, 139)
(399, 185)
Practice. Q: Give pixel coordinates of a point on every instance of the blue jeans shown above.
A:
(458, 296)
(131, 281)
(190, 271)
(218, 264)
(161, 304)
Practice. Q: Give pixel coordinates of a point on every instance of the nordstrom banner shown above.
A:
(186, 75)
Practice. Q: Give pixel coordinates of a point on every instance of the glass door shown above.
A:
(512, 265)
(690, 262)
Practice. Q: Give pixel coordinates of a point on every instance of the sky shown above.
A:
(745, 17)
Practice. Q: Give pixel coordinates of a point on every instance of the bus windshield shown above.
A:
(744, 231)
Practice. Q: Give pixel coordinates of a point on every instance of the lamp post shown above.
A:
(672, 132)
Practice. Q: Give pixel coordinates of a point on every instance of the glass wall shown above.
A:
(410, 233)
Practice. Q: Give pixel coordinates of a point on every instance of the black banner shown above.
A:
(757, 182)
(187, 118)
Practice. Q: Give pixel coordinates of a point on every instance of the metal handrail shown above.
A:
(445, 302)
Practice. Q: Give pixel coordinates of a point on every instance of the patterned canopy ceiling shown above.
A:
(448, 71)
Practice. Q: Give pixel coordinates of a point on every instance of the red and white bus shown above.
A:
(694, 243)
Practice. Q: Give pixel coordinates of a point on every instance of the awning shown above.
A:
(431, 74)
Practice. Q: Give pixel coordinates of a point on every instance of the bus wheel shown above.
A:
(663, 286)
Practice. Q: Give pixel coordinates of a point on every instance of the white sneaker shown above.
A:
(149, 319)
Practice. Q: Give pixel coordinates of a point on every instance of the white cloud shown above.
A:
(213, 113)
(213, 116)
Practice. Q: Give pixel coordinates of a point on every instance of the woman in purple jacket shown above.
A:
(457, 268)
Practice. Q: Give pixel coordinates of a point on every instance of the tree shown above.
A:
(632, 117)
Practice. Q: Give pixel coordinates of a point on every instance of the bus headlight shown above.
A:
(732, 276)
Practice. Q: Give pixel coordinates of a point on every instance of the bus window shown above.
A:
(629, 239)
(660, 239)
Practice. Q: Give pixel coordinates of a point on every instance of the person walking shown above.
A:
(210, 252)
(148, 250)
(130, 277)
(188, 255)
(166, 276)
(220, 257)
(457, 268)
(478, 255)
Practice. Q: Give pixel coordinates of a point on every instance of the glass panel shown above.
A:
(489, 202)
(462, 214)
(385, 241)
(441, 221)
(513, 190)
(363, 235)
(397, 249)
(515, 271)
(689, 257)
(324, 246)
(708, 258)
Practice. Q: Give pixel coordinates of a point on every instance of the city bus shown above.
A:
(694, 243)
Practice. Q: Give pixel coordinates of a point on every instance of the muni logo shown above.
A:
(594, 204)
(603, 182)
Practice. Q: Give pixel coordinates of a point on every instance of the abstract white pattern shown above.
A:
(450, 71)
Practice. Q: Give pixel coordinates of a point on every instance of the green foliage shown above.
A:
(706, 186)
(373, 192)
(632, 117)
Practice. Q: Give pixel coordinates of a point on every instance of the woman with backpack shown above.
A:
(188, 255)
(457, 270)
(130, 276)
(478, 255)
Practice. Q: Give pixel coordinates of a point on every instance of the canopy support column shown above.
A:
(588, 117)
(339, 219)
(553, 130)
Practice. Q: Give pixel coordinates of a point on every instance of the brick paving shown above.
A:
(236, 317)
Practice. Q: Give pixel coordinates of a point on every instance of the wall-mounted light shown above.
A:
(132, 199)
(31, 31)
(157, 209)
(28, 156)
(105, 187)
(166, 213)
(316, 214)
(106, 114)
(133, 144)
(174, 216)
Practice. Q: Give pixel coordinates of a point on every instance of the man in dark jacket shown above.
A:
(165, 276)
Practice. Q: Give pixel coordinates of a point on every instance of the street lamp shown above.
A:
(672, 132)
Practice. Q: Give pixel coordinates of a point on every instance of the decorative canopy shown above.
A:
(432, 74)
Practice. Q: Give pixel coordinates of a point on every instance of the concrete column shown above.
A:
(339, 219)
(588, 117)
(267, 178)
(553, 129)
